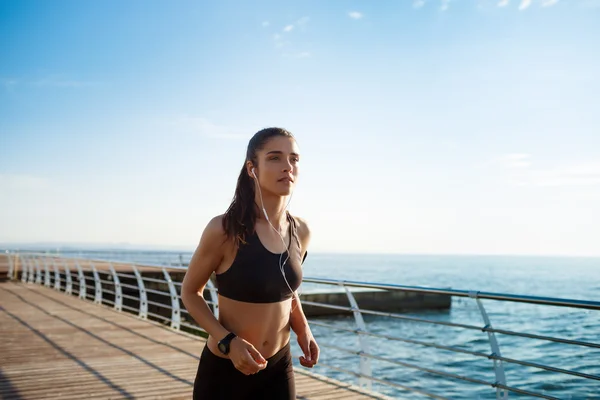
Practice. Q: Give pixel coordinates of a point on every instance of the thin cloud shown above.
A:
(302, 21)
(51, 81)
(302, 54)
(355, 15)
(586, 174)
(9, 84)
(58, 82)
(524, 4)
(503, 3)
(445, 5)
(515, 160)
(509, 161)
(23, 181)
(280, 41)
(418, 3)
(590, 4)
(549, 3)
(522, 172)
(265, 24)
(202, 126)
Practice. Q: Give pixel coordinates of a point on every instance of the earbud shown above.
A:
(253, 172)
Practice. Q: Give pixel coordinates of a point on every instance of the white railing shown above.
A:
(102, 275)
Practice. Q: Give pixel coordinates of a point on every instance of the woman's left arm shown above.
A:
(298, 320)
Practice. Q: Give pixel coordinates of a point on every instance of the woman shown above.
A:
(256, 250)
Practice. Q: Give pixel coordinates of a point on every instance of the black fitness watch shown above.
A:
(224, 343)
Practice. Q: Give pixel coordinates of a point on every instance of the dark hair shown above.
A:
(241, 215)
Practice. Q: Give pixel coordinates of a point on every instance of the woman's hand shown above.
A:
(309, 347)
(245, 357)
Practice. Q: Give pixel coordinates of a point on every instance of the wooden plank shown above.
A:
(55, 346)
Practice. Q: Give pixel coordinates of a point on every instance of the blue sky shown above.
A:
(464, 126)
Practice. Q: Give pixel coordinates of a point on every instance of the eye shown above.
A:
(275, 158)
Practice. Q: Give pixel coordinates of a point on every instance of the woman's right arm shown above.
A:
(204, 262)
(206, 259)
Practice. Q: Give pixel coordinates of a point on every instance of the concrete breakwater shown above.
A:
(374, 300)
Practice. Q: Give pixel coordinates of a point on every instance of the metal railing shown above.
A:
(500, 384)
(95, 278)
(83, 278)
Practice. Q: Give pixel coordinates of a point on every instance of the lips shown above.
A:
(285, 179)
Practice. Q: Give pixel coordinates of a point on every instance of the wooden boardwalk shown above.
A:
(55, 346)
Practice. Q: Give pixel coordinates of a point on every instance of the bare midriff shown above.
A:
(265, 325)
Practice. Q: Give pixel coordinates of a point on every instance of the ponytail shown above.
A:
(241, 215)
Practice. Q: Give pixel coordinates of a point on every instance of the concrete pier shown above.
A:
(375, 300)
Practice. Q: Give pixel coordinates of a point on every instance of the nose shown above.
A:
(288, 166)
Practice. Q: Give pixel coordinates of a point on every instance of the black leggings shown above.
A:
(217, 378)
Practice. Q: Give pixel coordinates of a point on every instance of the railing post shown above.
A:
(97, 285)
(175, 314)
(69, 288)
(365, 363)
(498, 365)
(118, 290)
(32, 269)
(143, 297)
(47, 271)
(38, 270)
(20, 266)
(82, 284)
(24, 268)
(10, 265)
(56, 275)
(214, 297)
(27, 270)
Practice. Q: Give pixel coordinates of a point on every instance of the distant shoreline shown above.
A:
(132, 248)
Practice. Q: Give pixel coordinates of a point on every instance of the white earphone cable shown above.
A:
(286, 247)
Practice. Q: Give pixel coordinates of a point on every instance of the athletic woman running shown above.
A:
(256, 250)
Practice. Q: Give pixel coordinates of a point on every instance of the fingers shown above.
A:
(251, 361)
(314, 352)
(247, 366)
(305, 363)
(310, 360)
(256, 356)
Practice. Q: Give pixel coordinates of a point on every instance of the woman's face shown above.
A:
(277, 169)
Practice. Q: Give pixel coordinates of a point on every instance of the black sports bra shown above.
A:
(254, 275)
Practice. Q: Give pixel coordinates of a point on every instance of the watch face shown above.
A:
(223, 348)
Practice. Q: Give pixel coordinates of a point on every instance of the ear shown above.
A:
(249, 168)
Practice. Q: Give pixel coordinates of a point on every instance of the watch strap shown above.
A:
(229, 337)
(225, 342)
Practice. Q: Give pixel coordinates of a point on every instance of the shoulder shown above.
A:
(215, 224)
(214, 232)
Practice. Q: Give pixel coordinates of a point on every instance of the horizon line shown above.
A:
(125, 247)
